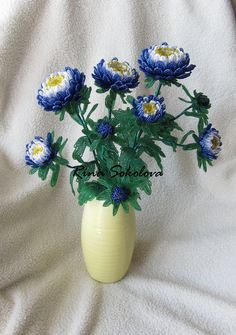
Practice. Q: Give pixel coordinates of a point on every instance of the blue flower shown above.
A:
(149, 108)
(104, 128)
(119, 194)
(39, 152)
(60, 88)
(118, 76)
(210, 142)
(164, 62)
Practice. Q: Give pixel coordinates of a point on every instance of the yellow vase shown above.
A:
(107, 241)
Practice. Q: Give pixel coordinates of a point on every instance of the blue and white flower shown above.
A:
(60, 88)
(119, 194)
(149, 108)
(115, 75)
(210, 142)
(164, 62)
(39, 152)
(104, 128)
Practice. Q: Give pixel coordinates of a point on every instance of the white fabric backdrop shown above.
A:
(183, 277)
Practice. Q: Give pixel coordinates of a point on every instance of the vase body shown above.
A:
(107, 241)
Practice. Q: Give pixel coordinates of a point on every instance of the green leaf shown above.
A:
(209, 162)
(195, 137)
(57, 144)
(149, 82)
(62, 115)
(72, 176)
(43, 172)
(110, 100)
(122, 96)
(186, 135)
(88, 191)
(52, 135)
(103, 195)
(192, 114)
(145, 186)
(94, 144)
(188, 102)
(130, 99)
(107, 203)
(199, 160)
(33, 170)
(204, 164)
(200, 125)
(186, 91)
(80, 146)
(105, 182)
(55, 172)
(190, 146)
(112, 95)
(153, 150)
(61, 161)
(115, 209)
(91, 111)
(62, 146)
(125, 206)
(85, 93)
(101, 90)
(134, 204)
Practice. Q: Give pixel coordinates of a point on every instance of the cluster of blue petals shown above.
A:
(57, 101)
(140, 113)
(165, 71)
(104, 128)
(208, 149)
(119, 194)
(106, 79)
(49, 154)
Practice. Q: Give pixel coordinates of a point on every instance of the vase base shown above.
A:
(107, 280)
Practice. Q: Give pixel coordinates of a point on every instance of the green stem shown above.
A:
(179, 145)
(186, 91)
(158, 90)
(180, 114)
(84, 124)
(137, 137)
(76, 166)
(113, 104)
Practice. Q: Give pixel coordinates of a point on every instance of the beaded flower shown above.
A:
(60, 88)
(149, 108)
(210, 142)
(119, 76)
(39, 152)
(119, 194)
(104, 128)
(164, 62)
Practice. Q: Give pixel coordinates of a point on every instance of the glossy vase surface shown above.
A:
(107, 241)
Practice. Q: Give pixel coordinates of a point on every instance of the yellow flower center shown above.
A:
(214, 142)
(37, 149)
(149, 108)
(55, 80)
(121, 67)
(166, 51)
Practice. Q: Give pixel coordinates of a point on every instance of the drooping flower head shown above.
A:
(164, 62)
(60, 88)
(119, 76)
(201, 101)
(149, 108)
(39, 152)
(119, 194)
(104, 128)
(210, 142)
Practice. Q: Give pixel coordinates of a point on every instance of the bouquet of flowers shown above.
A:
(117, 173)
